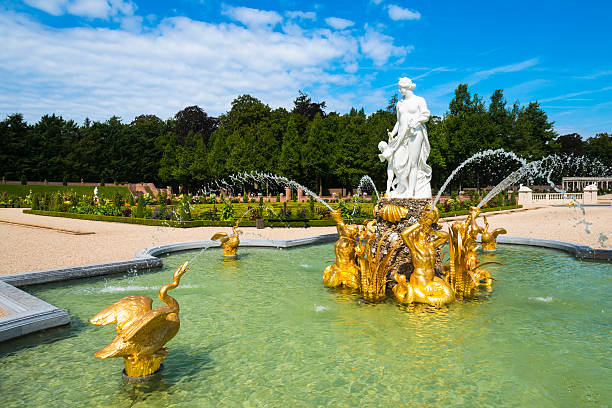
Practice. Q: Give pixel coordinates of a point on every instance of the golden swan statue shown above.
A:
(142, 331)
(229, 243)
(489, 239)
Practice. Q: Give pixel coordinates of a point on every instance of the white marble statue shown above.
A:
(408, 175)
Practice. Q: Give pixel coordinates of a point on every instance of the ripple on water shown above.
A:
(263, 330)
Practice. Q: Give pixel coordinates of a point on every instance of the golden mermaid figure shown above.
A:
(425, 287)
(344, 270)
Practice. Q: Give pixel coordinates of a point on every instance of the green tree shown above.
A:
(289, 163)
(315, 156)
(570, 144)
(194, 119)
(13, 141)
(600, 147)
(534, 134)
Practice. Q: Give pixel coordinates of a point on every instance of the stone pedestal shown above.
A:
(402, 259)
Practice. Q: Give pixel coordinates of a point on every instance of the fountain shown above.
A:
(142, 331)
(229, 243)
(489, 238)
(267, 331)
(370, 258)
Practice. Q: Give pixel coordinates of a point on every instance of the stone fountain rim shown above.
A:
(28, 314)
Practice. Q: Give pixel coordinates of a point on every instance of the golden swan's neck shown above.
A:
(169, 300)
(163, 296)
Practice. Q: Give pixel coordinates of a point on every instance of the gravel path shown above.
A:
(38, 246)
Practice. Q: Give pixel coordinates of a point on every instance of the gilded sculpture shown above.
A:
(489, 239)
(424, 286)
(464, 272)
(142, 331)
(344, 270)
(392, 213)
(373, 264)
(229, 243)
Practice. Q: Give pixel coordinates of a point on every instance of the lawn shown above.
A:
(22, 191)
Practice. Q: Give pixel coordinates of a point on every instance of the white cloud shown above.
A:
(132, 23)
(254, 18)
(579, 93)
(84, 8)
(89, 8)
(304, 15)
(54, 7)
(99, 72)
(596, 75)
(379, 47)
(399, 13)
(485, 74)
(338, 23)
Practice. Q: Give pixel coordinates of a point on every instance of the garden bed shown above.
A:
(227, 223)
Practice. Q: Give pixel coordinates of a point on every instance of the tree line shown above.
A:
(316, 148)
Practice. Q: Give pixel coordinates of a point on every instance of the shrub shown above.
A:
(140, 210)
(344, 210)
(311, 204)
(185, 212)
(24, 180)
(286, 211)
(35, 202)
(260, 209)
(131, 200)
(65, 181)
(301, 213)
(102, 181)
(278, 198)
(323, 213)
(163, 204)
(118, 199)
(209, 216)
(227, 212)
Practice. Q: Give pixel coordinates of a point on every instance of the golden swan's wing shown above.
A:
(124, 312)
(145, 336)
(220, 235)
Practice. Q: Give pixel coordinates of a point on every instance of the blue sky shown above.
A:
(97, 58)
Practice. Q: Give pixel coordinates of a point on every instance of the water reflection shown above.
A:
(263, 330)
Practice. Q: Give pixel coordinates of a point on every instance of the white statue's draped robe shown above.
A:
(397, 153)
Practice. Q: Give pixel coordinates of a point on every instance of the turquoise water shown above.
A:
(263, 331)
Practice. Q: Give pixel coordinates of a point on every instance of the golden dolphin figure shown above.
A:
(141, 330)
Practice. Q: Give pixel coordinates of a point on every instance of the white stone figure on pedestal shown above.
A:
(408, 175)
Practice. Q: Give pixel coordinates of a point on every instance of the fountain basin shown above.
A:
(262, 330)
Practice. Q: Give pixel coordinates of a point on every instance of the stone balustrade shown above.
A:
(526, 196)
